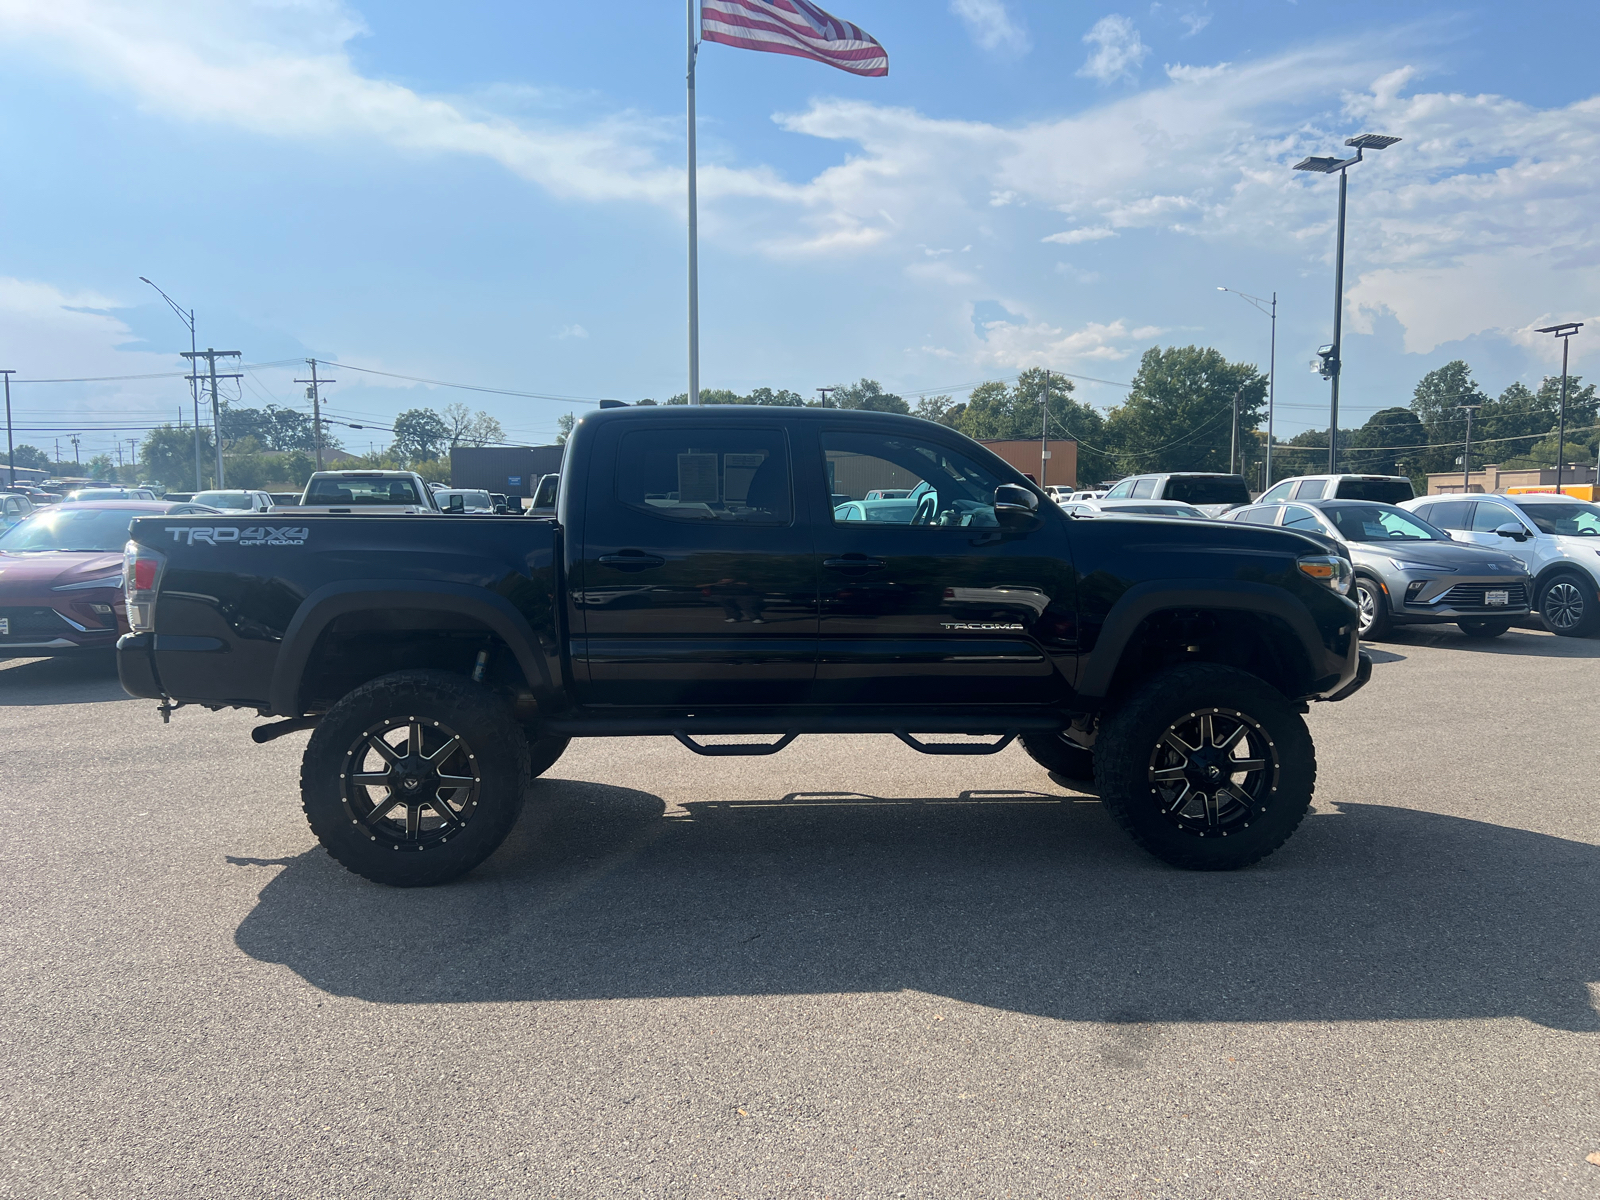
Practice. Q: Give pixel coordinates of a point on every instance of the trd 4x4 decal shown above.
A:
(251, 535)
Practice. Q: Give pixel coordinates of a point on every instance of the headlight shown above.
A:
(1329, 570)
(105, 581)
(1411, 566)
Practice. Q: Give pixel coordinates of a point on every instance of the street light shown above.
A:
(1259, 304)
(1327, 166)
(194, 384)
(1564, 332)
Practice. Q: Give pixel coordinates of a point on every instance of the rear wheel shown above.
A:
(1060, 756)
(1568, 605)
(1369, 596)
(415, 778)
(1206, 767)
(1483, 629)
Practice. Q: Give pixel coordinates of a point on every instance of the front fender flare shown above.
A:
(334, 600)
(1161, 595)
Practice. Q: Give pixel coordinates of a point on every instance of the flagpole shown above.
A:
(694, 240)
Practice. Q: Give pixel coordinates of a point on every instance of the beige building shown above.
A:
(1060, 469)
(1493, 479)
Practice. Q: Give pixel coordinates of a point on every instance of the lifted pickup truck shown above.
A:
(695, 582)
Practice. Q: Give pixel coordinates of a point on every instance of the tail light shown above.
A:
(141, 575)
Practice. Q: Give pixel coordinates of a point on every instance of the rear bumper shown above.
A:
(136, 665)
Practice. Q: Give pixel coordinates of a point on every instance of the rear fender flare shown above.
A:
(1164, 595)
(334, 600)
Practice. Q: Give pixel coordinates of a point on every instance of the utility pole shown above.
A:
(74, 439)
(133, 457)
(826, 392)
(211, 357)
(1564, 332)
(1466, 452)
(11, 451)
(316, 405)
(1233, 449)
(1044, 430)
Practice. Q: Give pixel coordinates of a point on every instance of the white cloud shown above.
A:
(572, 331)
(991, 25)
(1179, 73)
(1019, 345)
(1118, 50)
(1072, 237)
(1194, 22)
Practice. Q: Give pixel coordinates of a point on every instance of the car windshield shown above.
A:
(1381, 523)
(97, 529)
(1573, 519)
(224, 499)
(362, 491)
(1208, 489)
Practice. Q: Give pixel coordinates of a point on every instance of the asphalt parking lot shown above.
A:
(847, 971)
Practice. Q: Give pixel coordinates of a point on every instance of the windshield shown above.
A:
(1381, 523)
(362, 491)
(1208, 489)
(1379, 491)
(1574, 519)
(98, 529)
(224, 499)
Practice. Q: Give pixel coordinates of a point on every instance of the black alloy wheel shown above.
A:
(1207, 767)
(1373, 621)
(1568, 606)
(415, 778)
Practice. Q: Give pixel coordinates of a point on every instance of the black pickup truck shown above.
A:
(702, 577)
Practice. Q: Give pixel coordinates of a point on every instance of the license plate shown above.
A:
(5, 626)
(1496, 598)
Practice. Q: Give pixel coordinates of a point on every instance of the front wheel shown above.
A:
(1568, 605)
(1206, 767)
(415, 778)
(1483, 629)
(1373, 621)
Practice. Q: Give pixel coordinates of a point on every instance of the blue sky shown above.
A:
(492, 193)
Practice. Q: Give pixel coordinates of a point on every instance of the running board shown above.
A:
(782, 723)
(956, 747)
(736, 749)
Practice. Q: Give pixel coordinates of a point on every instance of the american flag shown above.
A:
(795, 27)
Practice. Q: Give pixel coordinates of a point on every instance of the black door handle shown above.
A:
(853, 563)
(631, 562)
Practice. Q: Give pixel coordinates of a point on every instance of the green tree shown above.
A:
(942, 410)
(1371, 450)
(32, 458)
(1179, 413)
(419, 434)
(1511, 425)
(782, 398)
(1436, 402)
(468, 428)
(102, 466)
(868, 394)
(167, 456)
(564, 424)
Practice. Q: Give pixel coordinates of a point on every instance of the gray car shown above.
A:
(1407, 571)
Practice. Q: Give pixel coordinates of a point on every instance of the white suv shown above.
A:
(1375, 489)
(1556, 537)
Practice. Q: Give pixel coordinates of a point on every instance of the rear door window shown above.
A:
(723, 474)
(1451, 514)
(1280, 492)
(1311, 489)
(1260, 516)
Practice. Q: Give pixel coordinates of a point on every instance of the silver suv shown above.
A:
(1557, 539)
(1408, 572)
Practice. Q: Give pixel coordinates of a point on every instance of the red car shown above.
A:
(61, 576)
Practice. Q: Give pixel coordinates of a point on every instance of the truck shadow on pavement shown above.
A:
(78, 679)
(1516, 642)
(1018, 901)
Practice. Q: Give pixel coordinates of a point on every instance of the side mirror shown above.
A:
(1513, 531)
(1014, 505)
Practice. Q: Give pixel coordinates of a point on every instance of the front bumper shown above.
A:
(1456, 599)
(1363, 676)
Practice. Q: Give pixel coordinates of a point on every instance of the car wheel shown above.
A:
(1369, 596)
(1206, 767)
(1568, 605)
(415, 778)
(1484, 629)
(543, 752)
(1060, 756)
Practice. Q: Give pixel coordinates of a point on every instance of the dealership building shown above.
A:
(509, 470)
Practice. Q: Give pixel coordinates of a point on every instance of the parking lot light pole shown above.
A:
(194, 385)
(1327, 166)
(1564, 332)
(11, 451)
(1466, 449)
(1259, 304)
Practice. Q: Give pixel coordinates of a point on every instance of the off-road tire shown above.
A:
(420, 850)
(1569, 606)
(543, 752)
(1059, 756)
(1484, 628)
(1131, 750)
(1374, 622)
